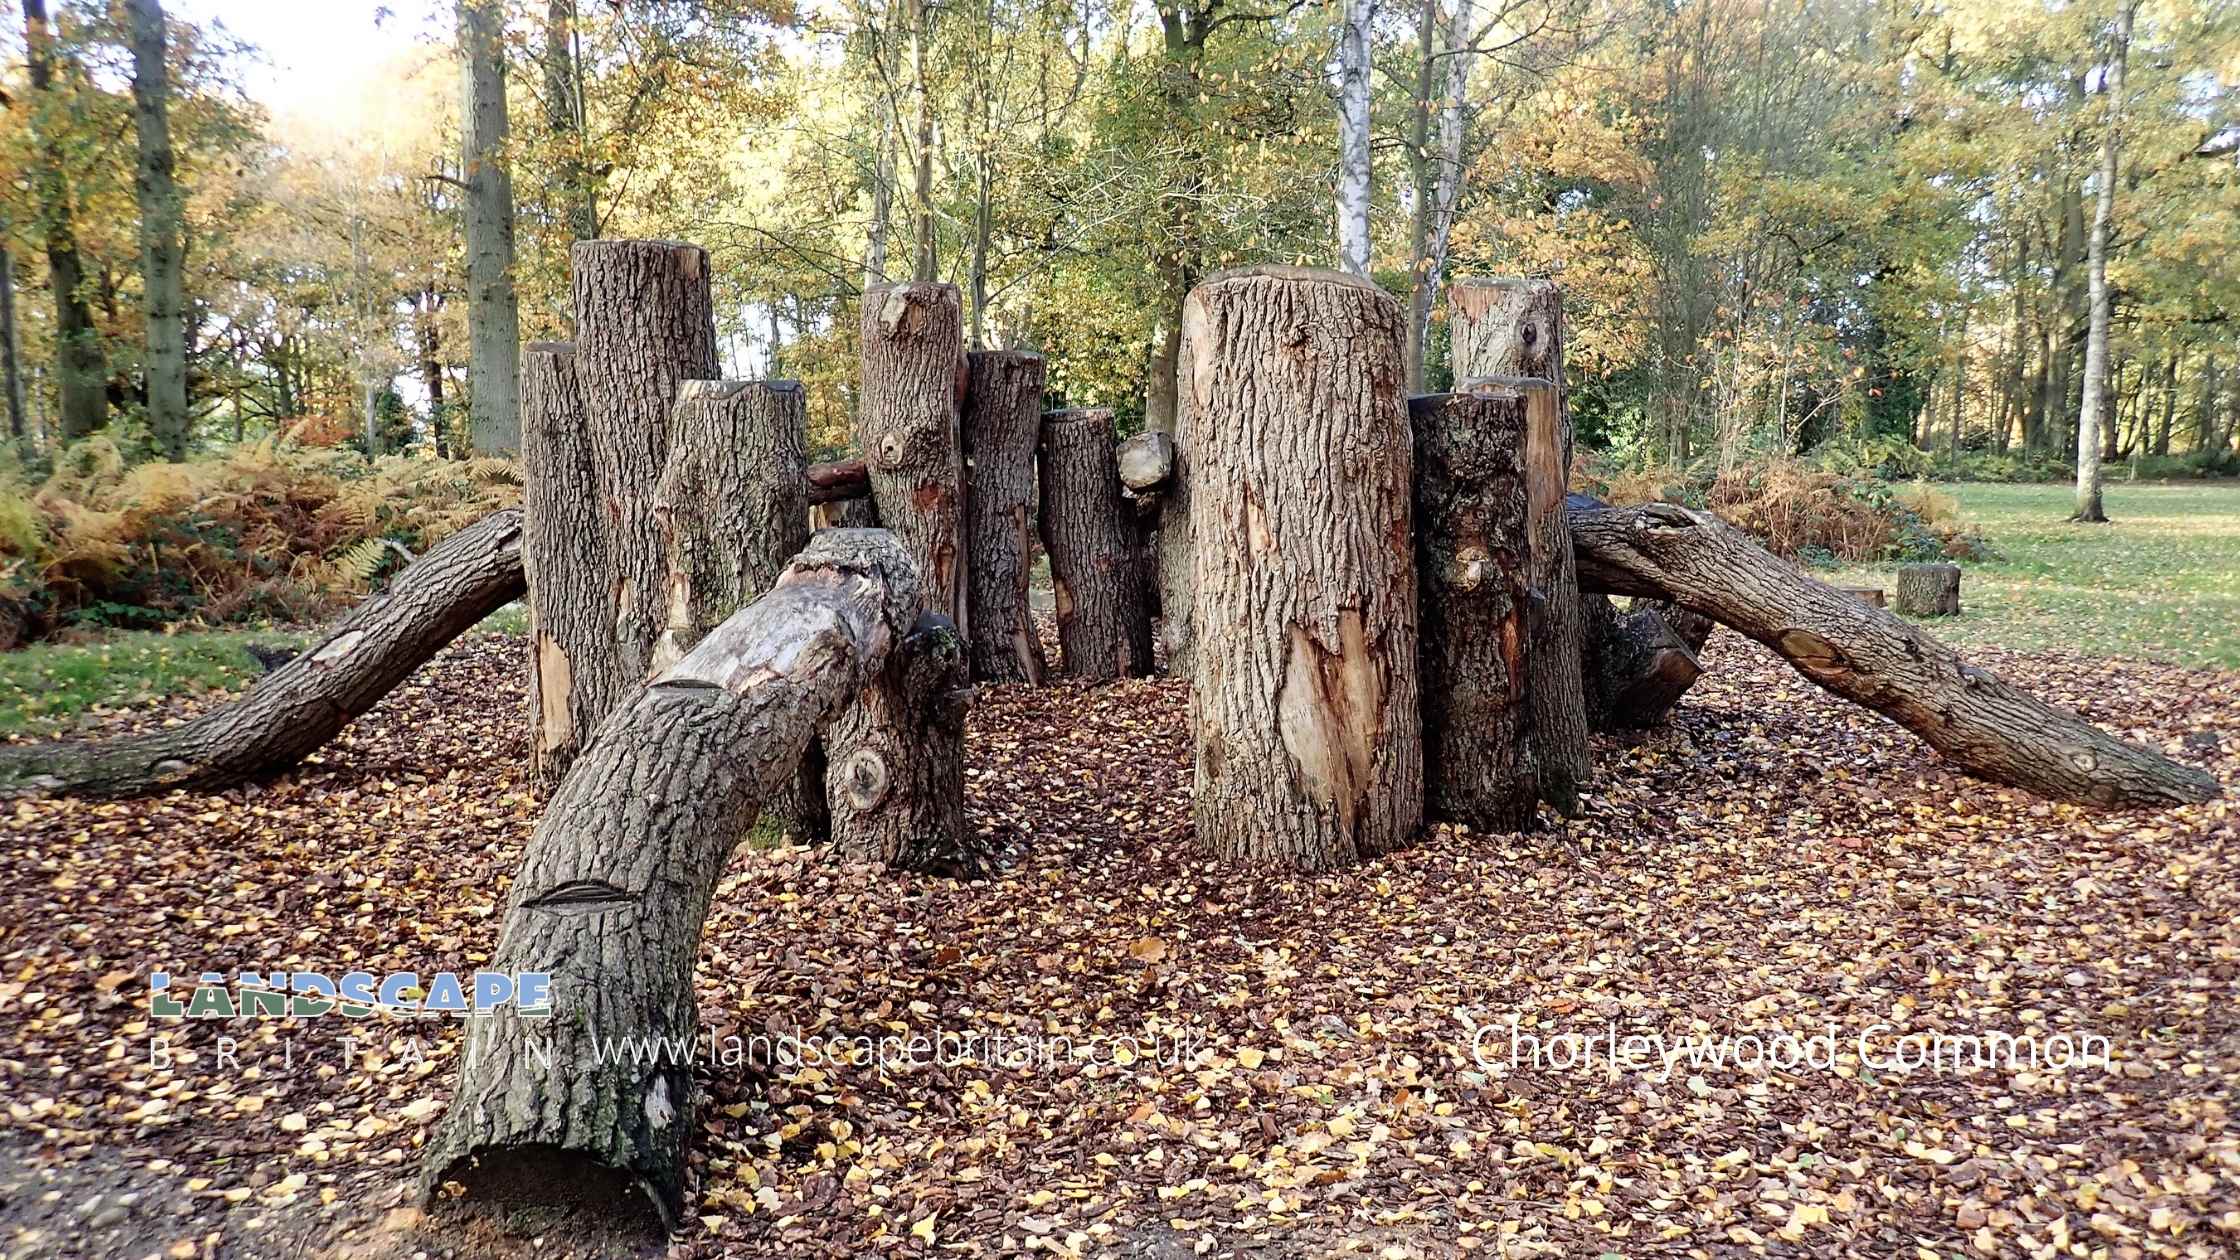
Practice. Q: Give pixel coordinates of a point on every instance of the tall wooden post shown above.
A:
(1096, 576)
(1309, 748)
(1473, 561)
(1514, 327)
(645, 324)
(1002, 412)
(573, 682)
(913, 380)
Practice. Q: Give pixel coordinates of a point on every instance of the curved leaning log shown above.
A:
(595, 1100)
(1871, 657)
(305, 703)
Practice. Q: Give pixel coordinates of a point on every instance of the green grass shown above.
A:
(2160, 583)
(44, 686)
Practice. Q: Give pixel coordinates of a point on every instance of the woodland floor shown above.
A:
(1774, 861)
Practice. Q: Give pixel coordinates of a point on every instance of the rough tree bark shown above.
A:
(1002, 413)
(616, 883)
(1104, 630)
(733, 504)
(1872, 657)
(2092, 416)
(1511, 327)
(907, 428)
(162, 255)
(301, 705)
(1473, 560)
(645, 324)
(1355, 39)
(1177, 563)
(1929, 590)
(897, 761)
(1309, 740)
(81, 366)
(1636, 665)
(573, 680)
(493, 307)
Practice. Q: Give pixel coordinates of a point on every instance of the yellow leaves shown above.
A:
(922, 1230)
(1149, 949)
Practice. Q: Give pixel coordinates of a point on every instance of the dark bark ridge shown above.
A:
(564, 549)
(1096, 574)
(1873, 658)
(616, 883)
(1473, 555)
(1002, 414)
(304, 703)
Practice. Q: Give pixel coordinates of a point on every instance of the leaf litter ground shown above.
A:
(1348, 1081)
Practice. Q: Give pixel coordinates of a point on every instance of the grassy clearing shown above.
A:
(44, 686)
(2160, 583)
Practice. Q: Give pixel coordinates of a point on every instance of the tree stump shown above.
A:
(616, 883)
(1309, 738)
(645, 324)
(1473, 553)
(573, 679)
(1929, 590)
(1510, 327)
(1104, 629)
(897, 761)
(844, 514)
(1002, 417)
(733, 505)
(907, 427)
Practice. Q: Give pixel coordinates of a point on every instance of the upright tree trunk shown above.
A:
(2169, 404)
(616, 884)
(2093, 416)
(1309, 748)
(1104, 630)
(11, 355)
(297, 708)
(1354, 169)
(1002, 416)
(897, 761)
(573, 189)
(882, 208)
(907, 427)
(1439, 181)
(574, 681)
(733, 504)
(1473, 569)
(645, 324)
(921, 34)
(81, 366)
(162, 256)
(493, 311)
(1515, 328)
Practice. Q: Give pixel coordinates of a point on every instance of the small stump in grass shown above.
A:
(1929, 590)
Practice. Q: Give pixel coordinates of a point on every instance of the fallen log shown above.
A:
(1636, 666)
(839, 480)
(304, 703)
(616, 883)
(1871, 657)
